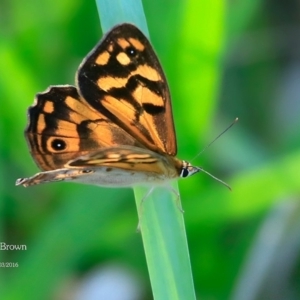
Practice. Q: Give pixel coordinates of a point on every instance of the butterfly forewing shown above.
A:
(122, 78)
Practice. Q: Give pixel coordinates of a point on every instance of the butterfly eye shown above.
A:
(184, 173)
(130, 51)
(58, 145)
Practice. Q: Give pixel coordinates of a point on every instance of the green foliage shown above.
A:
(220, 66)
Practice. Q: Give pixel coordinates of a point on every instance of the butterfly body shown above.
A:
(116, 127)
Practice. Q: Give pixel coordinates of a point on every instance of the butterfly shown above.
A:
(115, 128)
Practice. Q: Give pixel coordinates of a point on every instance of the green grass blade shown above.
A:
(165, 243)
(116, 12)
(161, 221)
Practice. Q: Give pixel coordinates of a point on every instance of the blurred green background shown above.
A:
(223, 59)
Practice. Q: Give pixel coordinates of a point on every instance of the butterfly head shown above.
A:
(188, 170)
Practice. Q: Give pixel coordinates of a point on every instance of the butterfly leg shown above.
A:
(140, 208)
(178, 202)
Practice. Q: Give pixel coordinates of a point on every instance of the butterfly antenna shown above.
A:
(219, 135)
(216, 178)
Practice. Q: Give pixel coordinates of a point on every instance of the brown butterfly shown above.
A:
(116, 128)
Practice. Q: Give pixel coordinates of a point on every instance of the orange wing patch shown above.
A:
(123, 59)
(102, 58)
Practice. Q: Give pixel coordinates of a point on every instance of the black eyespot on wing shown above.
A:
(131, 52)
(58, 145)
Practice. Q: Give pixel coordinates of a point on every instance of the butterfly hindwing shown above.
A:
(123, 79)
(62, 127)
